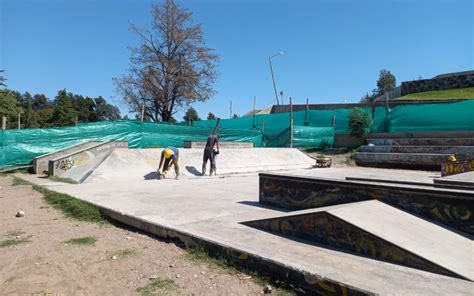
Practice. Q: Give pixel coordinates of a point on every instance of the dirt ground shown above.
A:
(118, 263)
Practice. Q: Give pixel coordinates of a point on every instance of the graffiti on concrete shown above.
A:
(450, 208)
(456, 167)
(326, 229)
(65, 164)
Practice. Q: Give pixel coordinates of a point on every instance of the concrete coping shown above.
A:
(54, 152)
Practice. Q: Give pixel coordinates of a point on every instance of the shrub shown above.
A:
(359, 123)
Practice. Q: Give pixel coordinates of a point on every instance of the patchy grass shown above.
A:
(19, 181)
(81, 241)
(72, 207)
(458, 93)
(14, 242)
(350, 158)
(125, 253)
(199, 255)
(158, 286)
(63, 180)
(14, 233)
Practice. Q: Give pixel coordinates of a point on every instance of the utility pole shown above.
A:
(273, 76)
(19, 120)
(306, 122)
(4, 123)
(291, 123)
(254, 110)
(143, 112)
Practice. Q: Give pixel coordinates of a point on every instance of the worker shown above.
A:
(170, 157)
(210, 152)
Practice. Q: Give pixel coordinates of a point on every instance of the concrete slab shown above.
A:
(464, 180)
(222, 145)
(419, 149)
(423, 141)
(212, 208)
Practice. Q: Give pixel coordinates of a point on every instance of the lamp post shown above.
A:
(273, 76)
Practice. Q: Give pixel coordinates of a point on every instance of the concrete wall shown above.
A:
(440, 83)
(347, 141)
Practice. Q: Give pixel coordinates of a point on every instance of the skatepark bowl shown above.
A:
(327, 231)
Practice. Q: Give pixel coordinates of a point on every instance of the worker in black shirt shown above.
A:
(210, 152)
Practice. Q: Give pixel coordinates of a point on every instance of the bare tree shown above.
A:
(171, 68)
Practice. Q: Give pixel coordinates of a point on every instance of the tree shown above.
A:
(191, 115)
(105, 111)
(359, 123)
(2, 79)
(210, 116)
(386, 82)
(9, 106)
(64, 114)
(171, 68)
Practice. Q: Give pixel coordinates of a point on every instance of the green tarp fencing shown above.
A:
(456, 116)
(312, 129)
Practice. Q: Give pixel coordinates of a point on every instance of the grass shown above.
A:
(70, 206)
(81, 241)
(19, 181)
(199, 255)
(14, 233)
(158, 286)
(63, 180)
(350, 158)
(125, 253)
(458, 93)
(14, 242)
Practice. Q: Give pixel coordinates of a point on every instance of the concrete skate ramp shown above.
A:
(450, 207)
(379, 231)
(464, 180)
(139, 164)
(79, 164)
(40, 163)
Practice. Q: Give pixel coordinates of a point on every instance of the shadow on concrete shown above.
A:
(193, 170)
(258, 205)
(152, 176)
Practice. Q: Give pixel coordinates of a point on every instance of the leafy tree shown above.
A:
(64, 114)
(211, 116)
(386, 82)
(191, 115)
(235, 116)
(171, 68)
(105, 111)
(359, 123)
(9, 107)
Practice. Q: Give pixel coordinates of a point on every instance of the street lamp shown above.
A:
(273, 76)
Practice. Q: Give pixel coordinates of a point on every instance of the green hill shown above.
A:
(458, 93)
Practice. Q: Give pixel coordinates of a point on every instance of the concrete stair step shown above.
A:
(422, 142)
(419, 149)
(379, 231)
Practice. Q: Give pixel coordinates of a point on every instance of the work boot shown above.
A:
(203, 171)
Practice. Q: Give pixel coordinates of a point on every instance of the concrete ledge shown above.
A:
(40, 163)
(419, 149)
(202, 144)
(422, 141)
(428, 161)
(452, 208)
(446, 134)
(312, 283)
(79, 164)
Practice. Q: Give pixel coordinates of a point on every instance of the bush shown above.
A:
(359, 123)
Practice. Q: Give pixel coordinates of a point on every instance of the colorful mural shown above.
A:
(449, 207)
(449, 168)
(329, 230)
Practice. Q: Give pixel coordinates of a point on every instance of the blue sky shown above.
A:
(333, 49)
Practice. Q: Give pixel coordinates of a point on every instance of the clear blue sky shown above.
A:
(333, 50)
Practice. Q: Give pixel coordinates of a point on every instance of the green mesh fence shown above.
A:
(312, 129)
(456, 116)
